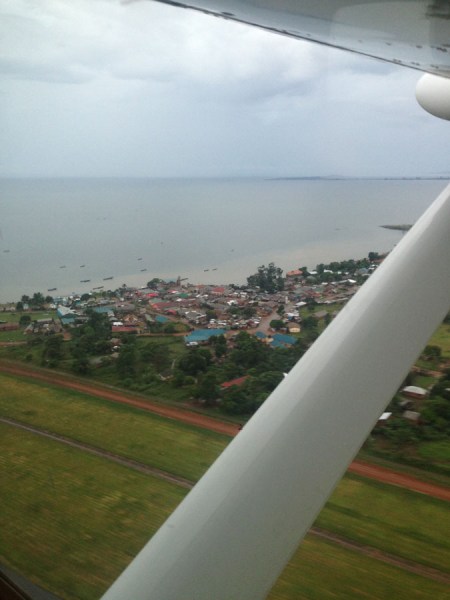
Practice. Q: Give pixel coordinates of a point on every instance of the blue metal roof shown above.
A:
(161, 319)
(202, 335)
(281, 339)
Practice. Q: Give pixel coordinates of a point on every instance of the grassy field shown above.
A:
(322, 571)
(436, 451)
(168, 445)
(60, 502)
(18, 335)
(375, 514)
(67, 508)
(71, 522)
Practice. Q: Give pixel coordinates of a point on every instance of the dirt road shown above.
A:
(360, 468)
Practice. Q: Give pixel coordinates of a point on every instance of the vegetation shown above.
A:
(107, 512)
(320, 570)
(68, 508)
(415, 534)
(407, 440)
(130, 432)
(269, 279)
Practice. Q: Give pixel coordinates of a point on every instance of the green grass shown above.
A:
(392, 519)
(321, 570)
(16, 335)
(424, 381)
(70, 521)
(441, 338)
(10, 317)
(169, 445)
(438, 451)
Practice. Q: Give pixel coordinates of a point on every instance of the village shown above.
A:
(205, 310)
(282, 312)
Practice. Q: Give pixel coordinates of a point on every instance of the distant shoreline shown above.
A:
(344, 178)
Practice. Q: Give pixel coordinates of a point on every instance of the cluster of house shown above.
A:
(205, 308)
(411, 398)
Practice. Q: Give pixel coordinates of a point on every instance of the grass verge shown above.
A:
(169, 445)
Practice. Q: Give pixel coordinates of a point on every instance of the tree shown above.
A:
(157, 355)
(127, 360)
(38, 300)
(208, 390)
(219, 343)
(153, 283)
(431, 352)
(193, 363)
(19, 306)
(269, 279)
(24, 320)
(93, 337)
(309, 323)
(52, 351)
(276, 324)
(81, 364)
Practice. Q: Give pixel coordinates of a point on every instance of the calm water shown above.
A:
(189, 228)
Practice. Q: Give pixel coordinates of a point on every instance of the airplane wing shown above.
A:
(413, 34)
(233, 534)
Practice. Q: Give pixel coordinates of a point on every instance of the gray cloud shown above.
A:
(102, 88)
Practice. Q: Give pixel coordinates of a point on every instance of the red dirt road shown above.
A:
(360, 468)
(100, 391)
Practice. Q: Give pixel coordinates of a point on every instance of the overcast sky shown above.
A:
(104, 88)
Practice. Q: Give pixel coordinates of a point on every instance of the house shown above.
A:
(384, 418)
(203, 335)
(233, 382)
(280, 340)
(9, 326)
(413, 391)
(411, 415)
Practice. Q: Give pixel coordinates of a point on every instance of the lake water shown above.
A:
(209, 231)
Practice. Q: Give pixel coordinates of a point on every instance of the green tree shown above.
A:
(81, 364)
(432, 352)
(52, 352)
(157, 355)
(192, 363)
(207, 389)
(154, 283)
(269, 279)
(127, 361)
(38, 300)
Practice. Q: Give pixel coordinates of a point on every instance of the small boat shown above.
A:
(107, 278)
(84, 280)
(5, 250)
(143, 270)
(52, 289)
(139, 258)
(205, 270)
(62, 267)
(81, 266)
(99, 287)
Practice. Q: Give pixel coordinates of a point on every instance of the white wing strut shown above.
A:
(233, 534)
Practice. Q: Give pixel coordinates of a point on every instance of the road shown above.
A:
(364, 469)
